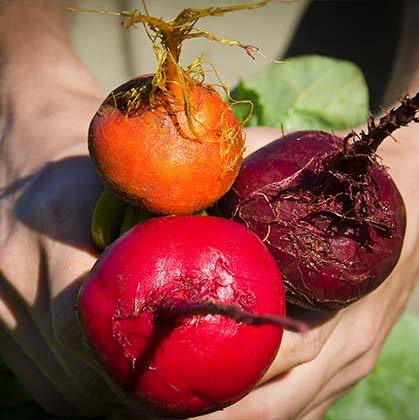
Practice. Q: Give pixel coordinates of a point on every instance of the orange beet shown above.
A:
(152, 157)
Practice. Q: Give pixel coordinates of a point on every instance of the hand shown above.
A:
(46, 201)
(313, 370)
(50, 214)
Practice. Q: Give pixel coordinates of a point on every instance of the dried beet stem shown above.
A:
(366, 143)
(171, 85)
(171, 33)
(166, 38)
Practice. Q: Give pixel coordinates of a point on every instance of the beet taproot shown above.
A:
(327, 210)
(149, 313)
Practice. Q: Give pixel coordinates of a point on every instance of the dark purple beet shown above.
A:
(333, 219)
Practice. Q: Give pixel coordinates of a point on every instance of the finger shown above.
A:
(68, 269)
(345, 380)
(257, 137)
(360, 367)
(26, 313)
(319, 412)
(68, 375)
(59, 202)
(32, 345)
(66, 241)
(356, 332)
(297, 348)
(298, 388)
(13, 267)
(51, 389)
(62, 252)
(348, 376)
(366, 323)
(282, 398)
(71, 349)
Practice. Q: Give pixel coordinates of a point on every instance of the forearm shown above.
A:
(33, 40)
(25, 23)
(39, 77)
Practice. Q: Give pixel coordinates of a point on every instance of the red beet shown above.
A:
(327, 210)
(137, 312)
(335, 232)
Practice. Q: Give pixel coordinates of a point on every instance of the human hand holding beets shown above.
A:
(49, 218)
(48, 190)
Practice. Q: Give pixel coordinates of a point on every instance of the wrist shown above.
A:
(32, 81)
(37, 132)
(47, 97)
(45, 110)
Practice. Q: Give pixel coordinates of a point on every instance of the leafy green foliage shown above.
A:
(307, 92)
(391, 392)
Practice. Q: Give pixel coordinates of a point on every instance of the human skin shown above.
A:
(48, 189)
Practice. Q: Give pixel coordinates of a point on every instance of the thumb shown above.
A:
(257, 137)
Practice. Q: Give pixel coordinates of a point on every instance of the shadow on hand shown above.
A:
(58, 201)
(312, 318)
(122, 330)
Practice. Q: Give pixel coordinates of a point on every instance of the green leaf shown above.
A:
(307, 92)
(391, 392)
(241, 110)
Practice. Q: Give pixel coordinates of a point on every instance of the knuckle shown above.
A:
(367, 364)
(366, 338)
(311, 346)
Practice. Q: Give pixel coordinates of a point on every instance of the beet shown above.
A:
(147, 154)
(327, 210)
(169, 142)
(146, 308)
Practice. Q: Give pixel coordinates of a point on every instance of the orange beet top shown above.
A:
(153, 158)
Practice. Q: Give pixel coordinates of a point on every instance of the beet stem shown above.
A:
(171, 310)
(368, 142)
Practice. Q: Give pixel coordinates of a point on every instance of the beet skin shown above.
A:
(196, 363)
(335, 226)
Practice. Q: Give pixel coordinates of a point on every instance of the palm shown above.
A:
(47, 253)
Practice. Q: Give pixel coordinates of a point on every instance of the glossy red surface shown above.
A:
(202, 362)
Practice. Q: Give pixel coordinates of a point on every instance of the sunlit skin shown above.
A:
(45, 245)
